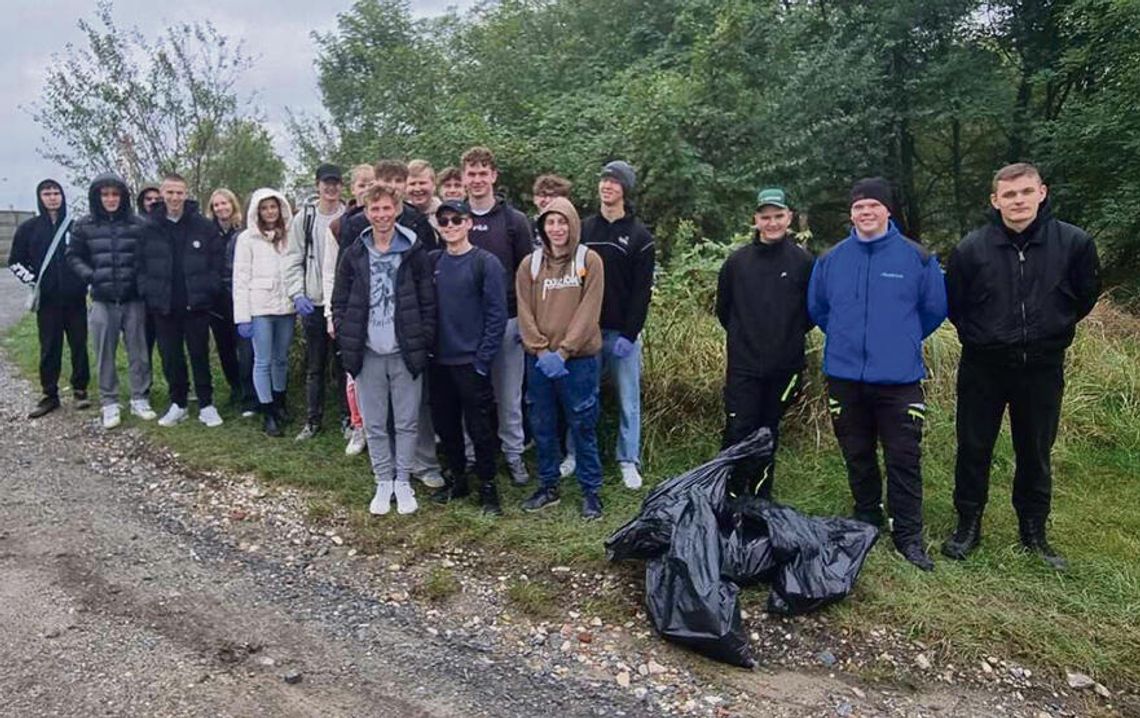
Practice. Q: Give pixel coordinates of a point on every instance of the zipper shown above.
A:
(1021, 296)
(866, 315)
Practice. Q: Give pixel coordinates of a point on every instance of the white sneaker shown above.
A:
(356, 443)
(248, 413)
(630, 476)
(568, 465)
(405, 498)
(209, 416)
(382, 501)
(430, 478)
(174, 415)
(111, 416)
(141, 409)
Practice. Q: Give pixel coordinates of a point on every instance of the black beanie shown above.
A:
(875, 188)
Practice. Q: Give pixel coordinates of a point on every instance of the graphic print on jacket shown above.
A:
(382, 269)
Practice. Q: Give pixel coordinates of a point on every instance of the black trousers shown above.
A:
(751, 402)
(225, 341)
(461, 397)
(318, 348)
(180, 333)
(244, 351)
(54, 322)
(866, 415)
(1033, 395)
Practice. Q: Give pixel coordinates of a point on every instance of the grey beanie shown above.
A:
(623, 173)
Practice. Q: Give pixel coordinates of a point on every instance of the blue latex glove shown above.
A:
(552, 366)
(304, 305)
(623, 348)
(245, 330)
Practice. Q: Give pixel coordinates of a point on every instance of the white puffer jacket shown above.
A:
(259, 284)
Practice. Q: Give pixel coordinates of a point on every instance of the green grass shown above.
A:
(998, 603)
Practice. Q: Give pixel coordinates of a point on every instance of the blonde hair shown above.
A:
(419, 167)
(358, 170)
(237, 219)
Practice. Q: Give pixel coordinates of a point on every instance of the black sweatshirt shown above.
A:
(627, 252)
(761, 301)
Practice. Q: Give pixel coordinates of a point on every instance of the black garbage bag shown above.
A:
(688, 601)
(649, 534)
(748, 557)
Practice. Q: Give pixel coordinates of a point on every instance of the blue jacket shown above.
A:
(876, 301)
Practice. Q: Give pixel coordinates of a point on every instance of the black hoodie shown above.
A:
(103, 249)
(30, 244)
(1016, 298)
(627, 250)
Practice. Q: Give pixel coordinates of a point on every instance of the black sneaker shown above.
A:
(543, 498)
(489, 497)
(46, 405)
(1033, 540)
(456, 487)
(81, 399)
(913, 552)
(591, 507)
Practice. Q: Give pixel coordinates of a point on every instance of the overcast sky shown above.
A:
(276, 34)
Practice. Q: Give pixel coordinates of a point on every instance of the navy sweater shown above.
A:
(471, 301)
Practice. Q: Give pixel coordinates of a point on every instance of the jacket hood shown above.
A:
(40, 209)
(255, 200)
(562, 206)
(158, 211)
(400, 232)
(95, 204)
(139, 197)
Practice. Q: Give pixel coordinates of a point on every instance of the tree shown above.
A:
(143, 107)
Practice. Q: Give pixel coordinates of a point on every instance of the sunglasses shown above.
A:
(454, 220)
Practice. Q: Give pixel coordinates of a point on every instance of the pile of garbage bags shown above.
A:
(703, 546)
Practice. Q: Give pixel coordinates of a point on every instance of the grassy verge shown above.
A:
(999, 603)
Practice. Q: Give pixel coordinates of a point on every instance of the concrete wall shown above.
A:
(9, 220)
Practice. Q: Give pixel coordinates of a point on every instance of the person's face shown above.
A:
(110, 198)
(453, 227)
(542, 199)
(268, 211)
(329, 189)
(361, 183)
(870, 217)
(452, 189)
(174, 195)
(52, 198)
(222, 208)
(557, 229)
(479, 180)
(772, 222)
(381, 215)
(149, 198)
(420, 189)
(1018, 200)
(395, 184)
(610, 191)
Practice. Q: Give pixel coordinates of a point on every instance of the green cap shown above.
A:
(773, 196)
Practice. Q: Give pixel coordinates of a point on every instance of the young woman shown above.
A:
(263, 311)
(559, 289)
(234, 351)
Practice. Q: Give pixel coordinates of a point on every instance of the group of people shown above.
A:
(436, 305)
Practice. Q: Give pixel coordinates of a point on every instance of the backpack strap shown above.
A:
(580, 261)
(308, 219)
(535, 263)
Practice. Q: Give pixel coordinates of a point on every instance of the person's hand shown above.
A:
(552, 365)
(623, 348)
(245, 330)
(303, 305)
(481, 369)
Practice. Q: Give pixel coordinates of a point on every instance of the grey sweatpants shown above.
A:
(507, 372)
(380, 378)
(105, 322)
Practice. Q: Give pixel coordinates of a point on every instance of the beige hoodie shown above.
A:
(559, 309)
(259, 282)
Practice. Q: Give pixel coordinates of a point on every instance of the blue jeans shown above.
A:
(577, 394)
(272, 335)
(627, 379)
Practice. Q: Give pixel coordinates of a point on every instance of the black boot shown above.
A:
(489, 497)
(272, 425)
(454, 487)
(913, 551)
(966, 537)
(46, 405)
(875, 518)
(282, 406)
(1033, 539)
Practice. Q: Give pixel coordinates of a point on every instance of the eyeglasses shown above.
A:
(454, 220)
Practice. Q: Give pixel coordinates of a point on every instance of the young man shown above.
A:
(146, 199)
(1017, 288)
(451, 184)
(37, 259)
(471, 311)
(877, 295)
(179, 274)
(761, 301)
(104, 253)
(505, 232)
(546, 188)
(384, 316)
(627, 250)
(304, 271)
(420, 192)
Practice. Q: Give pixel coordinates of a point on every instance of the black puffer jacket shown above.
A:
(190, 250)
(415, 305)
(60, 284)
(1017, 298)
(103, 249)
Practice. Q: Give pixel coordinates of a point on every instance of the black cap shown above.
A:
(328, 172)
(453, 205)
